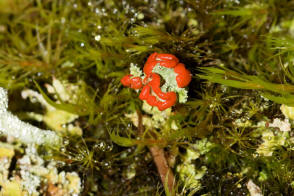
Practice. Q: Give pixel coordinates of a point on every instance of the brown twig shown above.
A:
(159, 159)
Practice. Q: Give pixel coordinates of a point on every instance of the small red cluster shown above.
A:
(152, 80)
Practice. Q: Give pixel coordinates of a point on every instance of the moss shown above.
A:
(240, 54)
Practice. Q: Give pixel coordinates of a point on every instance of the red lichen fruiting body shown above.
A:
(168, 64)
(167, 60)
(148, 68)
(145, 92)
(151, 100)
(167, 57)
(150, 64)
(155, 83)
(146, 95)
(126, 80)
(136, 83)
(169, 98)
(157, 98)
(183, 75)
(168, 103)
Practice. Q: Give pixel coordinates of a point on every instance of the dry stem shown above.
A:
(160, 161)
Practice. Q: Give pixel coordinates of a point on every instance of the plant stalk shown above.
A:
(166, 174)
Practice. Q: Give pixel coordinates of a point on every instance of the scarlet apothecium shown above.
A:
(133, 82)
(151, 91)
(166, 99)
(183, 75)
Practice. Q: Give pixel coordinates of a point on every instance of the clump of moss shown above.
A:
(240, 55)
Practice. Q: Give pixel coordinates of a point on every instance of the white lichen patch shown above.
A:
(288, 111)
(157, 119)
(4, 169)
(253, 189)
(276, 133)
(187, 170)
(35, 174)
(282, 125)
(56, 119)
(203, 146)
(64, 90)
(8, 187)
(169, 77)
(135, 71)
(191, 155)
(170, 84)
(190, 175)
(11, 126)
(271, 142)
(32, 175)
